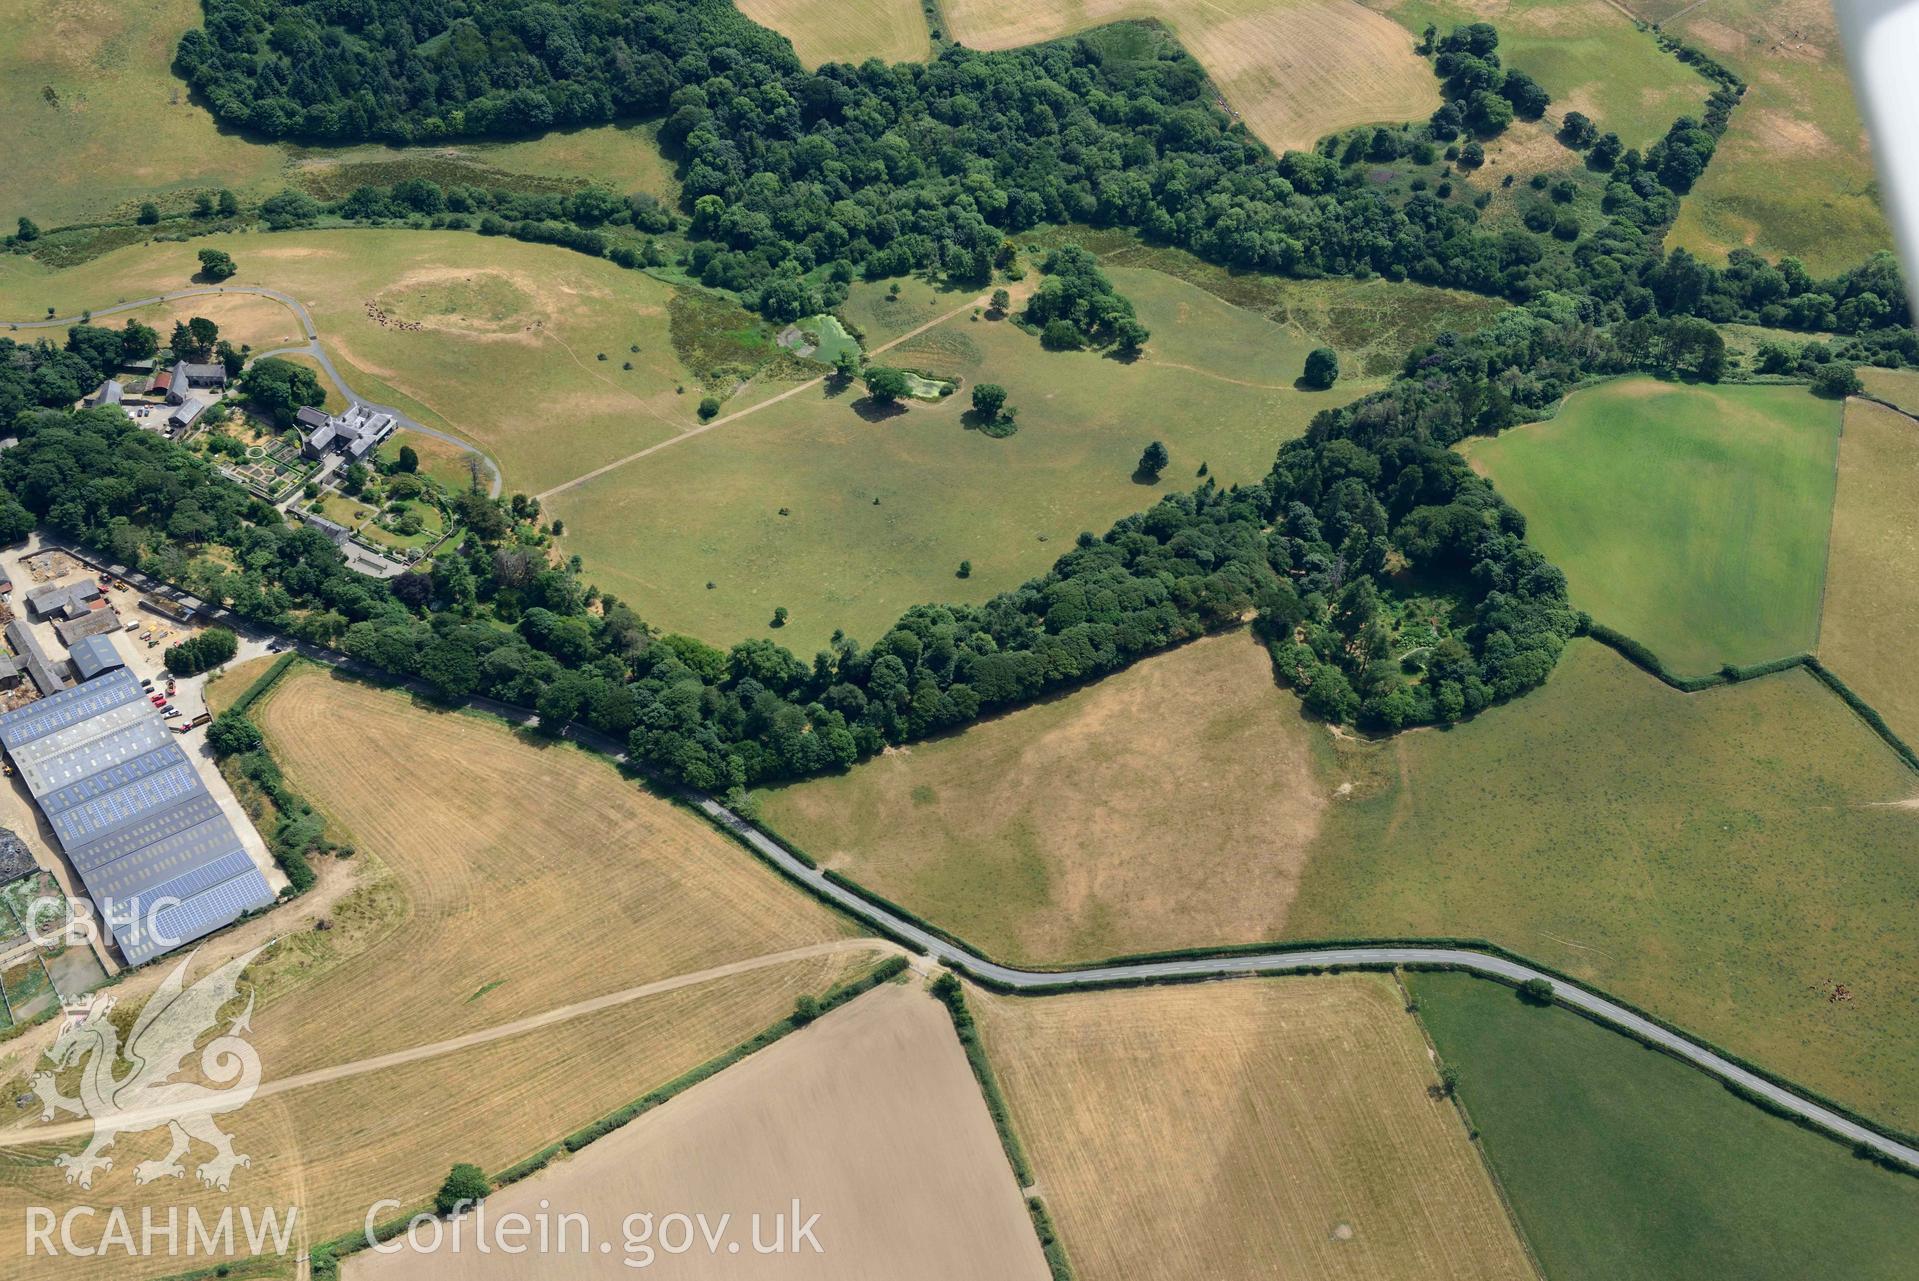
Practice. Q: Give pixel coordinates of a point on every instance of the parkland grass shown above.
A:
(1625, 1165)
(1872, 585)
(482, 857)
(1693, 519)
(870, 1117)
(1171, 805)
(847, 517)
(1292, 71)
(1585, 53)
(487, 338)
(1793, 174)
(1728, 860)
(848, 31)
(1270, 1127)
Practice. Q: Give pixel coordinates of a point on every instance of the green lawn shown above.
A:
(1586, 54)
(880, 511)
(1694, 519)
(1625, 1165)
(1719, 858)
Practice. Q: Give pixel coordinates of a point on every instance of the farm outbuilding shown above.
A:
(159, 858)
(92, 655)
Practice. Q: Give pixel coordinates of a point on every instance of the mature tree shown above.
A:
(465, 1187)
(280, 388)
(846, 366)
(200, 653)
(29, 229)
(1129, 336)
(1488, 113)
(203, 204)
(886, 384)
(406, 460)
(1322, 368)
(779, 616)
(1578, 131)
(1153, 460)
(229, 204)
(232, 734)
(139, 342)
(1836, 380)
(709, 406)
(1000, 301)
(988, 400)
(1536, 992)
(216, 264)
(149, 213)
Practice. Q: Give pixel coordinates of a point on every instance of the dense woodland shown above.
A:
(798, 181)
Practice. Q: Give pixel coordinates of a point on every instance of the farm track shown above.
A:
(312, 348)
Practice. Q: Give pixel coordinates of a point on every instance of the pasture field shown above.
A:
(1693, 519)
(224, 687)
(1293, 71)
(1899, 387)
(478, 900)
(485, 337)
(1722, 859)
(1625, 1165)
(1196, 792)
(870, 1117)
(1267, 1127)
(825, 31)
(1587, 55)
(1794, 174)
(625, 157)
(1872, 586)
(880, 510)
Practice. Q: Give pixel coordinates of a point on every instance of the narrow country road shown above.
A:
(312, 348)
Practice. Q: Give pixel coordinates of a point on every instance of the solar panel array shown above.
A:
(159, 858)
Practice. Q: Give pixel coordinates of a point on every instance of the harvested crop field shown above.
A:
(850, 31)
(1292, 70)
(870, 1117)
(1733, 861)
(477, 904)
(1281, 1128)
(1693, 519)
(1872, 585)
(1171, 805)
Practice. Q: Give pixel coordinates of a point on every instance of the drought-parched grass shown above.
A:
(1722, 859)
(1172, 805)
(1794, 174)
(1693, 519)
(488, 338)
(848, 31)
(1625, 1165)
(881, 509)
(1268, 1127)
(1871, 621)
(870, 1117)
(1292, 71)
(481, 855)
(1587, 55)
(625, 157)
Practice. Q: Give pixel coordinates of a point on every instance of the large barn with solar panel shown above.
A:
(160, 860)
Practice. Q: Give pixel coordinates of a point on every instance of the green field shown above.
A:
(1694, 519)
(1585, 53)
(1625, 1165)
(1794, 174)
(1720, 858)
(880, 511)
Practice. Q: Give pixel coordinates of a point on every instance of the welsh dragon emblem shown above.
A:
(147, 1097)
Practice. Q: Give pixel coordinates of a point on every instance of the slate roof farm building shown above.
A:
(187, 379)
(107, 393)
(100, 619)
(185, 415)
(93, 655)
(62, 600)
(33, 658)
(159, 858)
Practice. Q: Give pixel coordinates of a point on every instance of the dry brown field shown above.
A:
(225, 686)
(495, 882)
(1277, 1128)
(1293, 70)
(1170, 805)
(870, 1117)
(1871, 615)
(852, 31)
